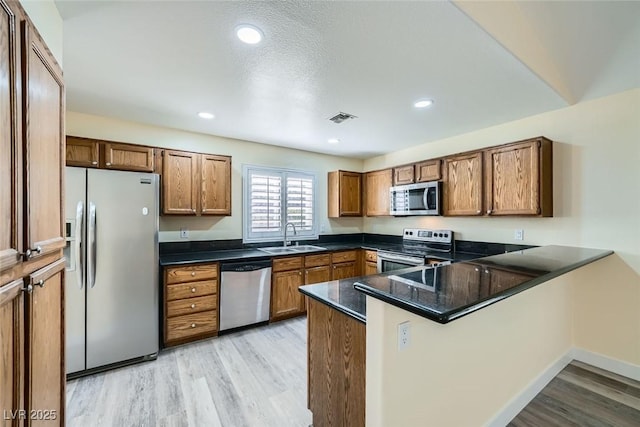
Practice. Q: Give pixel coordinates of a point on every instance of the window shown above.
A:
(274, 197)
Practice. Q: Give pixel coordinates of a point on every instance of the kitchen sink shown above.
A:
(279, 250)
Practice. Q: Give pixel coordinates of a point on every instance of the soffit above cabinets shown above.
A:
(483, 63)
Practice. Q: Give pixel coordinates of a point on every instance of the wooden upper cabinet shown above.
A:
(377, 198)
(128, 157)
(43, 139)
(216, 185)
(344, 194)
(180, 182)
(518, 179)
(429, 170)
(403, 175)
(463, 184)
(82, 152)
(9, 146)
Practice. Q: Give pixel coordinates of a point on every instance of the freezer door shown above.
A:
(122, 300)
(74, 294)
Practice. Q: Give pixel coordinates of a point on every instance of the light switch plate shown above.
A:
(518, 234)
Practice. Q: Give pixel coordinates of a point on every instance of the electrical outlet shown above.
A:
(518, 235)
(404, 336)
(184, 233)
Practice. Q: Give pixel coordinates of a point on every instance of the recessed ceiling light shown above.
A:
(205, 115)
(333, 140)
(249, 34)
(423, 103)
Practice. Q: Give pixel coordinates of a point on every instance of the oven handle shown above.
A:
(387, 256)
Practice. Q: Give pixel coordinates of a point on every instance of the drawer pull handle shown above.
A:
(193, 325)
(94, 163)
(108, 163)
(193, 290)
(193, 273)
(193, 306)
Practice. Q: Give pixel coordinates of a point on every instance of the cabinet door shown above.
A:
(216, 185)
(82, 152)
(403, 175)
(45, 343)
(9, 239)
(377, 185)
(463, 185)
(350, 194)
(428, 171)
(43, 133)
(286, 301)
(370, 268)
(180, 183)
(128, 157)
(500, 280)
(512, 180)
(11, 349)
(344, 270)
(461, 284)
(317, 274)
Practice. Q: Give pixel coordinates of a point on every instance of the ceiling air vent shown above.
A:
(341, 117)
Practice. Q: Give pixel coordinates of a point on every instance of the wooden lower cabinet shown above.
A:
(317, 274)
(370, 268)
(336, 350)
(369, 262)
(45, 379)
(190, 303)
(286, 301)
(11, 347)
(344, 270)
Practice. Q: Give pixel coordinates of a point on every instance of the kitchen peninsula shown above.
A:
(471, 323)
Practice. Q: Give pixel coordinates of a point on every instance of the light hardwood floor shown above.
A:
(257, 377)
(583, 395)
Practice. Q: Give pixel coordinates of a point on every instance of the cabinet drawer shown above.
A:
(371, 256)
(190, 290)
(344, 256)
(289, 263)
(191, 305)
(317, 260)
(191, 324)
(191, 273)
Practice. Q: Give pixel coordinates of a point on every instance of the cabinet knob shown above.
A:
(478, 212)
(489, 211)
(94, 163)
(108, 163)
(193, 210)
(193, 325)
(31, 252)
(193, 273)
(334, 267)
(28, 289)
(193, 306)
(476, 269)
(486, 271)
(193, 290)
(40, 283)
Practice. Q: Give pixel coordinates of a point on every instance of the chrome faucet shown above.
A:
(286, 226)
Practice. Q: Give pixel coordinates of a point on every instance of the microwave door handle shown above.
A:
(425, 199)
(78, 244)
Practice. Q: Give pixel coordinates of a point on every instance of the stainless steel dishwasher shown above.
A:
(245, 293)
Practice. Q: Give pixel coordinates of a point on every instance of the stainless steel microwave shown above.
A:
(424, 198)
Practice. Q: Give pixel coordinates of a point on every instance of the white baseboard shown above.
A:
(619, 367)
(517, 404)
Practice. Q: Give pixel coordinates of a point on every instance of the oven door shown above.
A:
(389, 261)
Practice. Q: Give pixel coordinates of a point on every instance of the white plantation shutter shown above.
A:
(274, 197)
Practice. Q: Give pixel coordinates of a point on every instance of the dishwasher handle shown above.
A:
(245, 266)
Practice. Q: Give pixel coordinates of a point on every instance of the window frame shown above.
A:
(251, 237)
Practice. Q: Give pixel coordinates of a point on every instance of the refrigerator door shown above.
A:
(74, 294)
(122, 303)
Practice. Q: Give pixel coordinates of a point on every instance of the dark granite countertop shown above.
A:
(341, 295)
(449, 292)
(193, 257)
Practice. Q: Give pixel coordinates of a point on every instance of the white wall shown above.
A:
(596, 178)
(242, 152)
(45, 16)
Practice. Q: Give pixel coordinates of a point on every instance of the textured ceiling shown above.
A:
(483, 63)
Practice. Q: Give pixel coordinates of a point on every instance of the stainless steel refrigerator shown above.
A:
(111, 293)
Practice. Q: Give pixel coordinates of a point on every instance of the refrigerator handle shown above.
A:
(78, 243)
(91, 246)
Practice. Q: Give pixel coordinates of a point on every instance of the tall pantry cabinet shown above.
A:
(31, 225)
